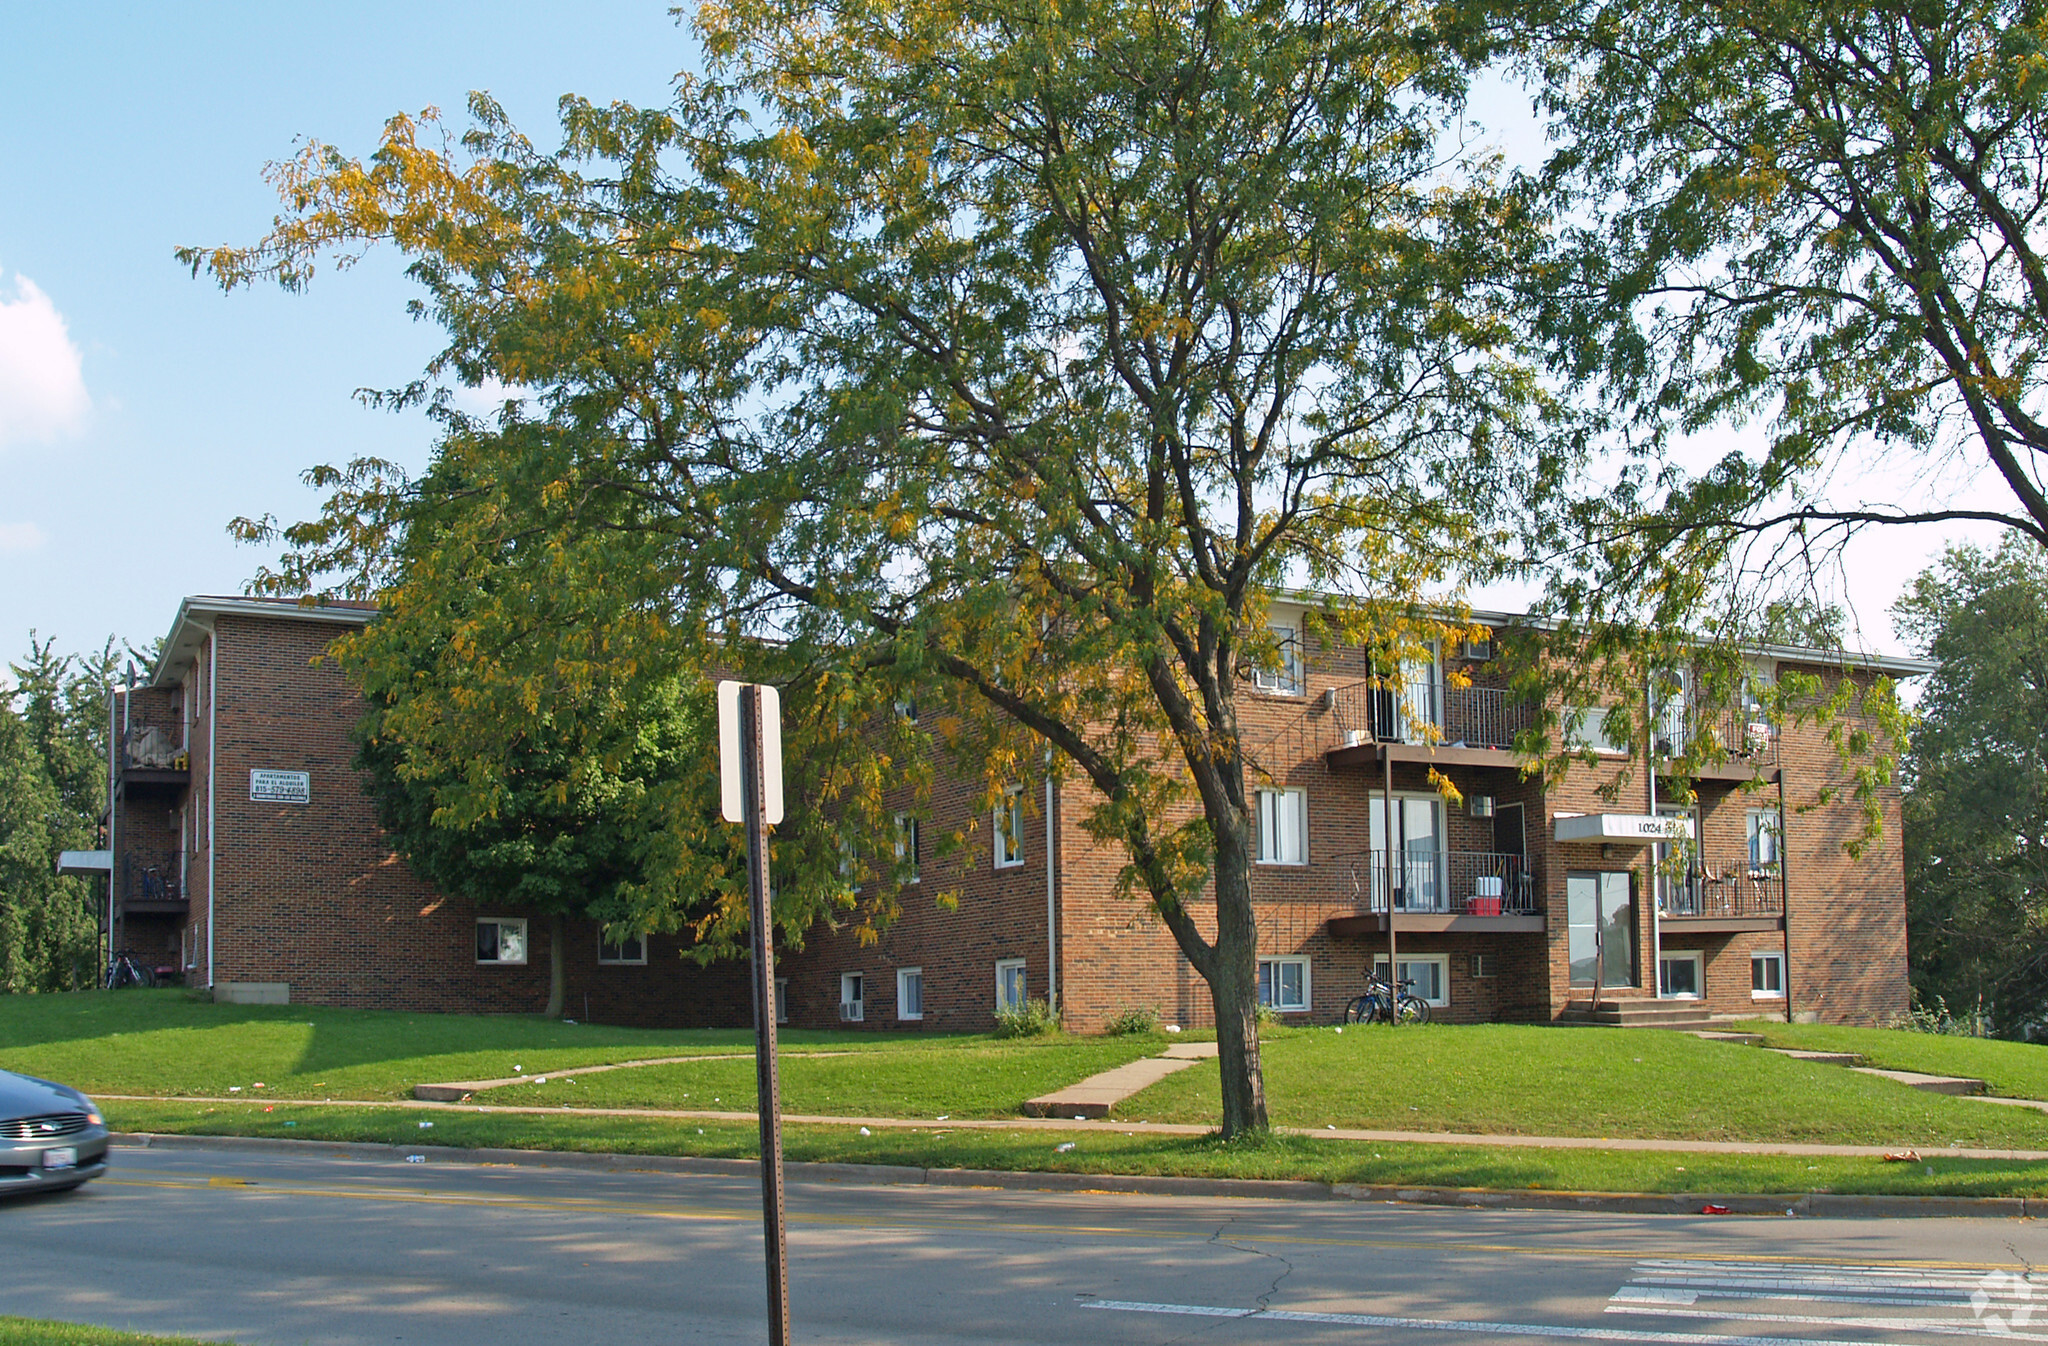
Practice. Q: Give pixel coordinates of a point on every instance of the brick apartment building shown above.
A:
(246, 853)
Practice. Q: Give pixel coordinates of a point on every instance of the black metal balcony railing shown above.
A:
(1742, 734)
(1736, 891)
(150, 878)
(1463, 883)
(1424, 710)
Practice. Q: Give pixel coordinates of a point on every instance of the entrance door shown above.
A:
(1600, 928)
(1510, 841)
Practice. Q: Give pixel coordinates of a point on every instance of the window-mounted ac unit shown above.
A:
(1485, 964)
(850, 1011)
(1479, 649)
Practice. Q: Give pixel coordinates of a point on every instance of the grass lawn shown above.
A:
(957, 1077)
(2012, 1069)
(1480, 1079)
(37, 1332)
(171, 1042)
(1502, 1078)
(1099, 1147)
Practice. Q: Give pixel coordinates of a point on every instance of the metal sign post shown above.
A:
(750, 768)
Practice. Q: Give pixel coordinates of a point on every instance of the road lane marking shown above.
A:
(1961, 1301)
(1470, 1325)
(1943, 1327)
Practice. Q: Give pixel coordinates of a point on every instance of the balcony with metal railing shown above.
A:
(150, 882)
(1426, 718)
(1734, 742)
(1443, 890)
(1711, 900)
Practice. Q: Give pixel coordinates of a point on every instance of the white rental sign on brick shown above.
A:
(281, 787)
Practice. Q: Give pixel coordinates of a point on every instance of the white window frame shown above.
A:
(904, 976)
(906, 844)
(1270, 987)
(501, 922)
(1590, 733)
(605, 947)
(782, 1000)
(1289, 678)
(853, 993)
(1766, 957)
(1009, 829)
(1699, 962)
(1282, 819)
(1761, 825)
(1441, 961)
(1004, 965)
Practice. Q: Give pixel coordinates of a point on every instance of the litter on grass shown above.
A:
(1063, 1147)
(425, 1125)
(415, 1159)
(865, 1132)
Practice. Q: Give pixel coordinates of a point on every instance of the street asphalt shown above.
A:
(312, 1246)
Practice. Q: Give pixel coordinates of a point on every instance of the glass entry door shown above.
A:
(1417, 843)
(1600, 928)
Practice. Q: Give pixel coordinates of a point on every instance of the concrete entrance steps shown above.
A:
(1096, 1095)
(1638, 1014)
(1933, 1084)
(1959, 1085)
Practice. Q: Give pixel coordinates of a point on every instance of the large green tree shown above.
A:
(1010, 354)
(53, 794)
(512, 762)
(1977, 786)
(1824, 214)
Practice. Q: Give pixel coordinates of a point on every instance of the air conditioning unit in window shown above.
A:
(850, 1011)
(1485, 964)
(1480, 650)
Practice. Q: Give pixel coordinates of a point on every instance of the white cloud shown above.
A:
(488, 398)
(42, 387)
(16, 537)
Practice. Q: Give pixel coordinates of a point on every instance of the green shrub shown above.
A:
(1922, 1018)
(1126, 1022)
(1032, 1019)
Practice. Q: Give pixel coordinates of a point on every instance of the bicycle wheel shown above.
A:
(1360, 1010)
(1413, 1010)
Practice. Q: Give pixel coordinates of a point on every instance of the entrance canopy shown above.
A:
(1644, 829)
(85, 862)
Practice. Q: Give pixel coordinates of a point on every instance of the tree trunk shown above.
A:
(1233, 976)
(558, 968)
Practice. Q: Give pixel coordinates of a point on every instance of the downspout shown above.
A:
(212, 793)
(1656, 879)
(1784, 890)
(1387, 807)
(113, 816)
(1052, 897)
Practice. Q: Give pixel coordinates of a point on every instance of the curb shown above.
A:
(1811, 1205)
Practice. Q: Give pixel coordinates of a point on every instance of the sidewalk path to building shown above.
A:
(1961, 1086)
(1096, 1095)
(455, 1091)
(1054, 1124)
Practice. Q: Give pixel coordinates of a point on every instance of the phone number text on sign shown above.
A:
(281, 787)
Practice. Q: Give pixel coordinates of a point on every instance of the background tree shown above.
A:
(1825, 213)
(1977, 786)
(53, 794)
(1013, 356)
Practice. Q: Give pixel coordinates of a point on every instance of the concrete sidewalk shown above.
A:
(1149, 1128)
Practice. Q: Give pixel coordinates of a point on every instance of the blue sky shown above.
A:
(141, 409)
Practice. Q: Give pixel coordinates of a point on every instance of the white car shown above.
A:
(51, 1136)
